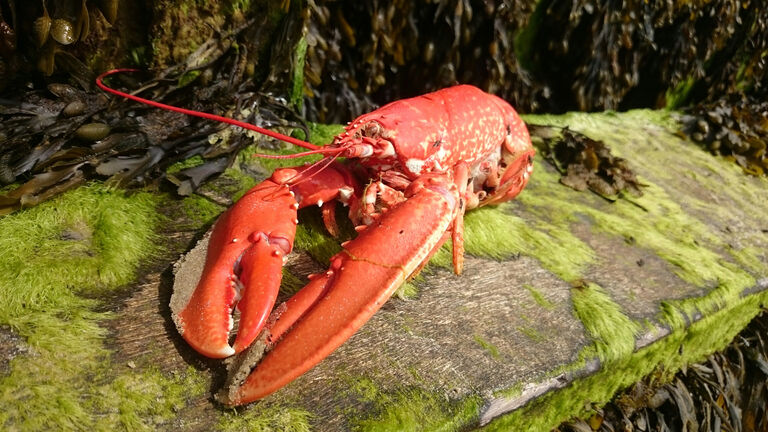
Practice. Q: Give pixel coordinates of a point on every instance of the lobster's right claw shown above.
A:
(245, 249)
(361, 278)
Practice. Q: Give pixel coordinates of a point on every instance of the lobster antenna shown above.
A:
(326, 151)
(322, 163)
(303, 176)
(314, 149)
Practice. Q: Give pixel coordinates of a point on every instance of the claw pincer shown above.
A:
(244, 259)
(410, 231)
(242, 268)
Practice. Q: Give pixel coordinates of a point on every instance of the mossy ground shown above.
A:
(662, 220)
(60, 258)
(409, 409)
(682, 347)
(272, 418)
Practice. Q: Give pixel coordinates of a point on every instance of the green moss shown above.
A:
(265, 418)
(312, 237)
(87, 241)
(531, 333)
(188, 77)
(510, 393)
(678, 96)
(290, 284)
(407, 291)
(319, 134)
(657, 220)
(412, 410)
(146, 399)
(192, 162)
(269, 165)
(538, 297)
(57, 259)
(494, 232)
(139, 57)
(232, 6)
(242, 181)
(680, 348)
(612, 332)
(484, 344)
(297, 82)
(199, 210)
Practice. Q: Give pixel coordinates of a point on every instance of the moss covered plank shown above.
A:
(565, 298)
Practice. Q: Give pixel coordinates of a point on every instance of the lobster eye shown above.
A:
(372, 129)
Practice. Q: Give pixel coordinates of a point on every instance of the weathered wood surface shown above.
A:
(482, 332)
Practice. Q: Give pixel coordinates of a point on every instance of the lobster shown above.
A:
(412, 168)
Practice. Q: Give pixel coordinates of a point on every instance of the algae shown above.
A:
(58, 259)
(612, 332)
(411, 409)
(492, 349)
(199, 211)
(146, 399)
(681, 347)
(266, 418)
(531, 333)
(297, 81)
(192, 162)
(538, 297)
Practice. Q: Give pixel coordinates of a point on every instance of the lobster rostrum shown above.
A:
(412, 168)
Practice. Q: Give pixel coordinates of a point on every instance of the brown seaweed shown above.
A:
(550, 56)
(735, 127)
(585, 163)
(74, 129)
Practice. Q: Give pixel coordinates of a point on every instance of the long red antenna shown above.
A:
(286, 138)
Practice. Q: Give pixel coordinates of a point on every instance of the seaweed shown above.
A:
(55, 139)
(735, 127)
(585, 163)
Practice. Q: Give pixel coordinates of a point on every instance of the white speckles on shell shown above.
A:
(345, 193)
(440, 154)
(414, 165)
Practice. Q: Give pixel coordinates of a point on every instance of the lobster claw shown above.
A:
(247, 241)
(361, 278)
(244, 259)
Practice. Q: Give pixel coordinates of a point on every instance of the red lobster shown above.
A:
(425, 160)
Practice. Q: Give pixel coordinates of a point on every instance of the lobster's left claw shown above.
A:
(361, 278)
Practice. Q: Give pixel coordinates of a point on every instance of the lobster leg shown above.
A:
(245, 254)
(514, 177)
(360, 280)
